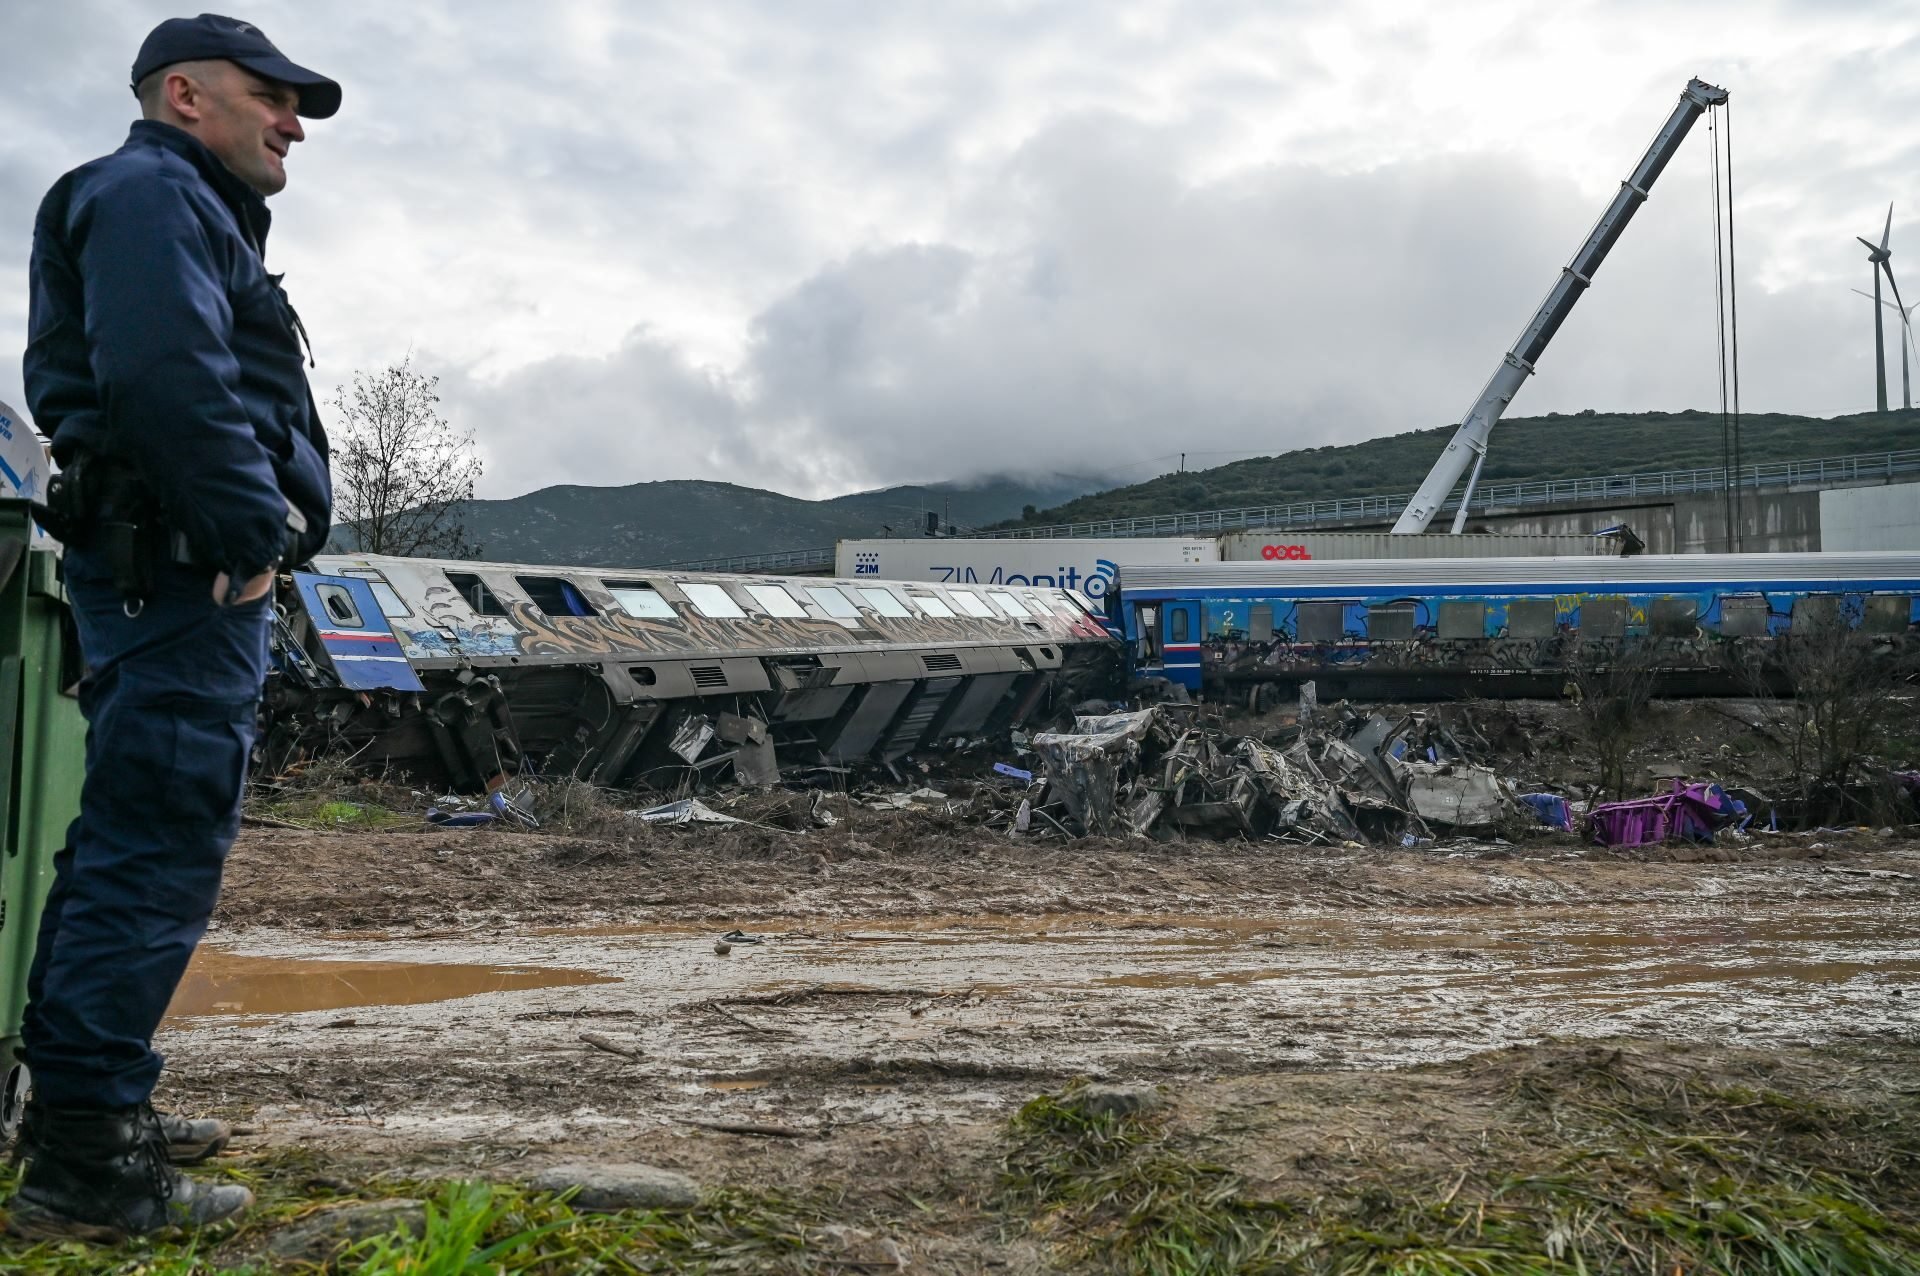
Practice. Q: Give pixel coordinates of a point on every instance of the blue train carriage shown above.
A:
(461, 672)
(1425, 627)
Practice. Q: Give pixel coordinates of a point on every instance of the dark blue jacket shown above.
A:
(156, 336)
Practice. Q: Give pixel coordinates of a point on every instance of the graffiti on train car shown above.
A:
(453, 631)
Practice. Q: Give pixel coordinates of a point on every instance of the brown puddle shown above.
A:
(224, 983)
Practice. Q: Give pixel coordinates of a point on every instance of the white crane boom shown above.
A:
(1469, 442)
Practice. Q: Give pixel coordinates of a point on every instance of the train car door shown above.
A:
(1142, 636)
(354, 633)
(1180, 642)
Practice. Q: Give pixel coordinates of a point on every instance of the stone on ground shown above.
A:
(324, 1233)
(1116, 1100)
(606, 1186)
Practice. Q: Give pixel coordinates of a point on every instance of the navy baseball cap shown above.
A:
(212, 36)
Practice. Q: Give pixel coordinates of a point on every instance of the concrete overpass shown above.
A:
(1776, 508)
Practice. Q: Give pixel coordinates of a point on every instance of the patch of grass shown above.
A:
(1605, 1166)
(472, 1229)
(1107, 1188)
(337, 813)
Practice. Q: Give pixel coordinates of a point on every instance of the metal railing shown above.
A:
(1492, 498)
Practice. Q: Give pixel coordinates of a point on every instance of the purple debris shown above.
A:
(1690, 811)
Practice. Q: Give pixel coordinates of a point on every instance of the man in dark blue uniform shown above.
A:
(166, 365)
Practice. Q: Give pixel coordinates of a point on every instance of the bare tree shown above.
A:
(1849, 694)
(1610, 682)
(401, 474)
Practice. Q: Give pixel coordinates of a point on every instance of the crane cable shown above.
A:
(1733, 320)
(1726, 321)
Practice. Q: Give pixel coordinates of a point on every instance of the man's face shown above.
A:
(249, 122)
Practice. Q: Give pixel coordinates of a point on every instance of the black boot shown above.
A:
(189, 1140)
(102, 1175)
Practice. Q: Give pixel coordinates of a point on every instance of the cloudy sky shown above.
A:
(819, 246)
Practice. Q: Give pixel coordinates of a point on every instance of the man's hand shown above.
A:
(255, 588)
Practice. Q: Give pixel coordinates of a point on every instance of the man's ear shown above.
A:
(183, 94)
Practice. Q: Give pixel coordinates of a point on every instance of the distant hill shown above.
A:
(672, 520)
(649, 523)
(1555, 446)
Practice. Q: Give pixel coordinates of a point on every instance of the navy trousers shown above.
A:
(169, 696)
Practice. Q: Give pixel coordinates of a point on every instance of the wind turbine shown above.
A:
(1880, 259)
(1906, 326)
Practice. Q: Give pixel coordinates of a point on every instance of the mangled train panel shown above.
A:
(583, 669)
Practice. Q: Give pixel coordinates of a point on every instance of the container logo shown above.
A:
(866, 563)
(1101, 579)
(1093, 584)
(1292, 553)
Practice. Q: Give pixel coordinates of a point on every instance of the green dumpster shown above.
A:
(43, 749)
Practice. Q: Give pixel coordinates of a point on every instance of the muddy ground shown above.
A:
(404, 1003)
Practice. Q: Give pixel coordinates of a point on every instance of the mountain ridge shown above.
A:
(674, 520)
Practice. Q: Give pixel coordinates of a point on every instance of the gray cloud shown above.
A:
(832, 246)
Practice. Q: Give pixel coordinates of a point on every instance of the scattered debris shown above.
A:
(757, 1129)
(1343, 779)
(685, 811)
(1689, 812)
(608, 1044)
(1551, 809)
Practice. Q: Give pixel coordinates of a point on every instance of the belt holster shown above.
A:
(104, 508)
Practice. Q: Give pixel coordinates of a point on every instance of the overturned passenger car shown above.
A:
(460, 673)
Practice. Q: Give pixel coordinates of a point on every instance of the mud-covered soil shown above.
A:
(487, 1002)
(846, 1020)
(903, 864)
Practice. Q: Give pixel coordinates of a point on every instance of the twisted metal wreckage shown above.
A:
(1160, 771)
(463, 673)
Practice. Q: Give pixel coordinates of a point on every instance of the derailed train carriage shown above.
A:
(461, 672)
(1423, 628)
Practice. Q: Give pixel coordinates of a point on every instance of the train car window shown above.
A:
(470, 587)
(776, 601)
(1322, 621)
(642, 601)
(884, 602)
(1674, 617)
(383, 593)
(1390, 622)
(1530, 618)
(555, 596)
(1462, 620)
(1816, 612)
(1744, 616)
(1260, 623)
(1178, 629)
(1008, 603)
(339, 605)
(711, 601)
(1603, 617)
(390, 604)
(833, 602)
(970, 602)
(1887, 614)
(932, 606)
(1085, 603)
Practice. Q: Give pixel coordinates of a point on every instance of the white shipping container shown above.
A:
(1856, 518)
(1281, 546)
(1086, 565)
